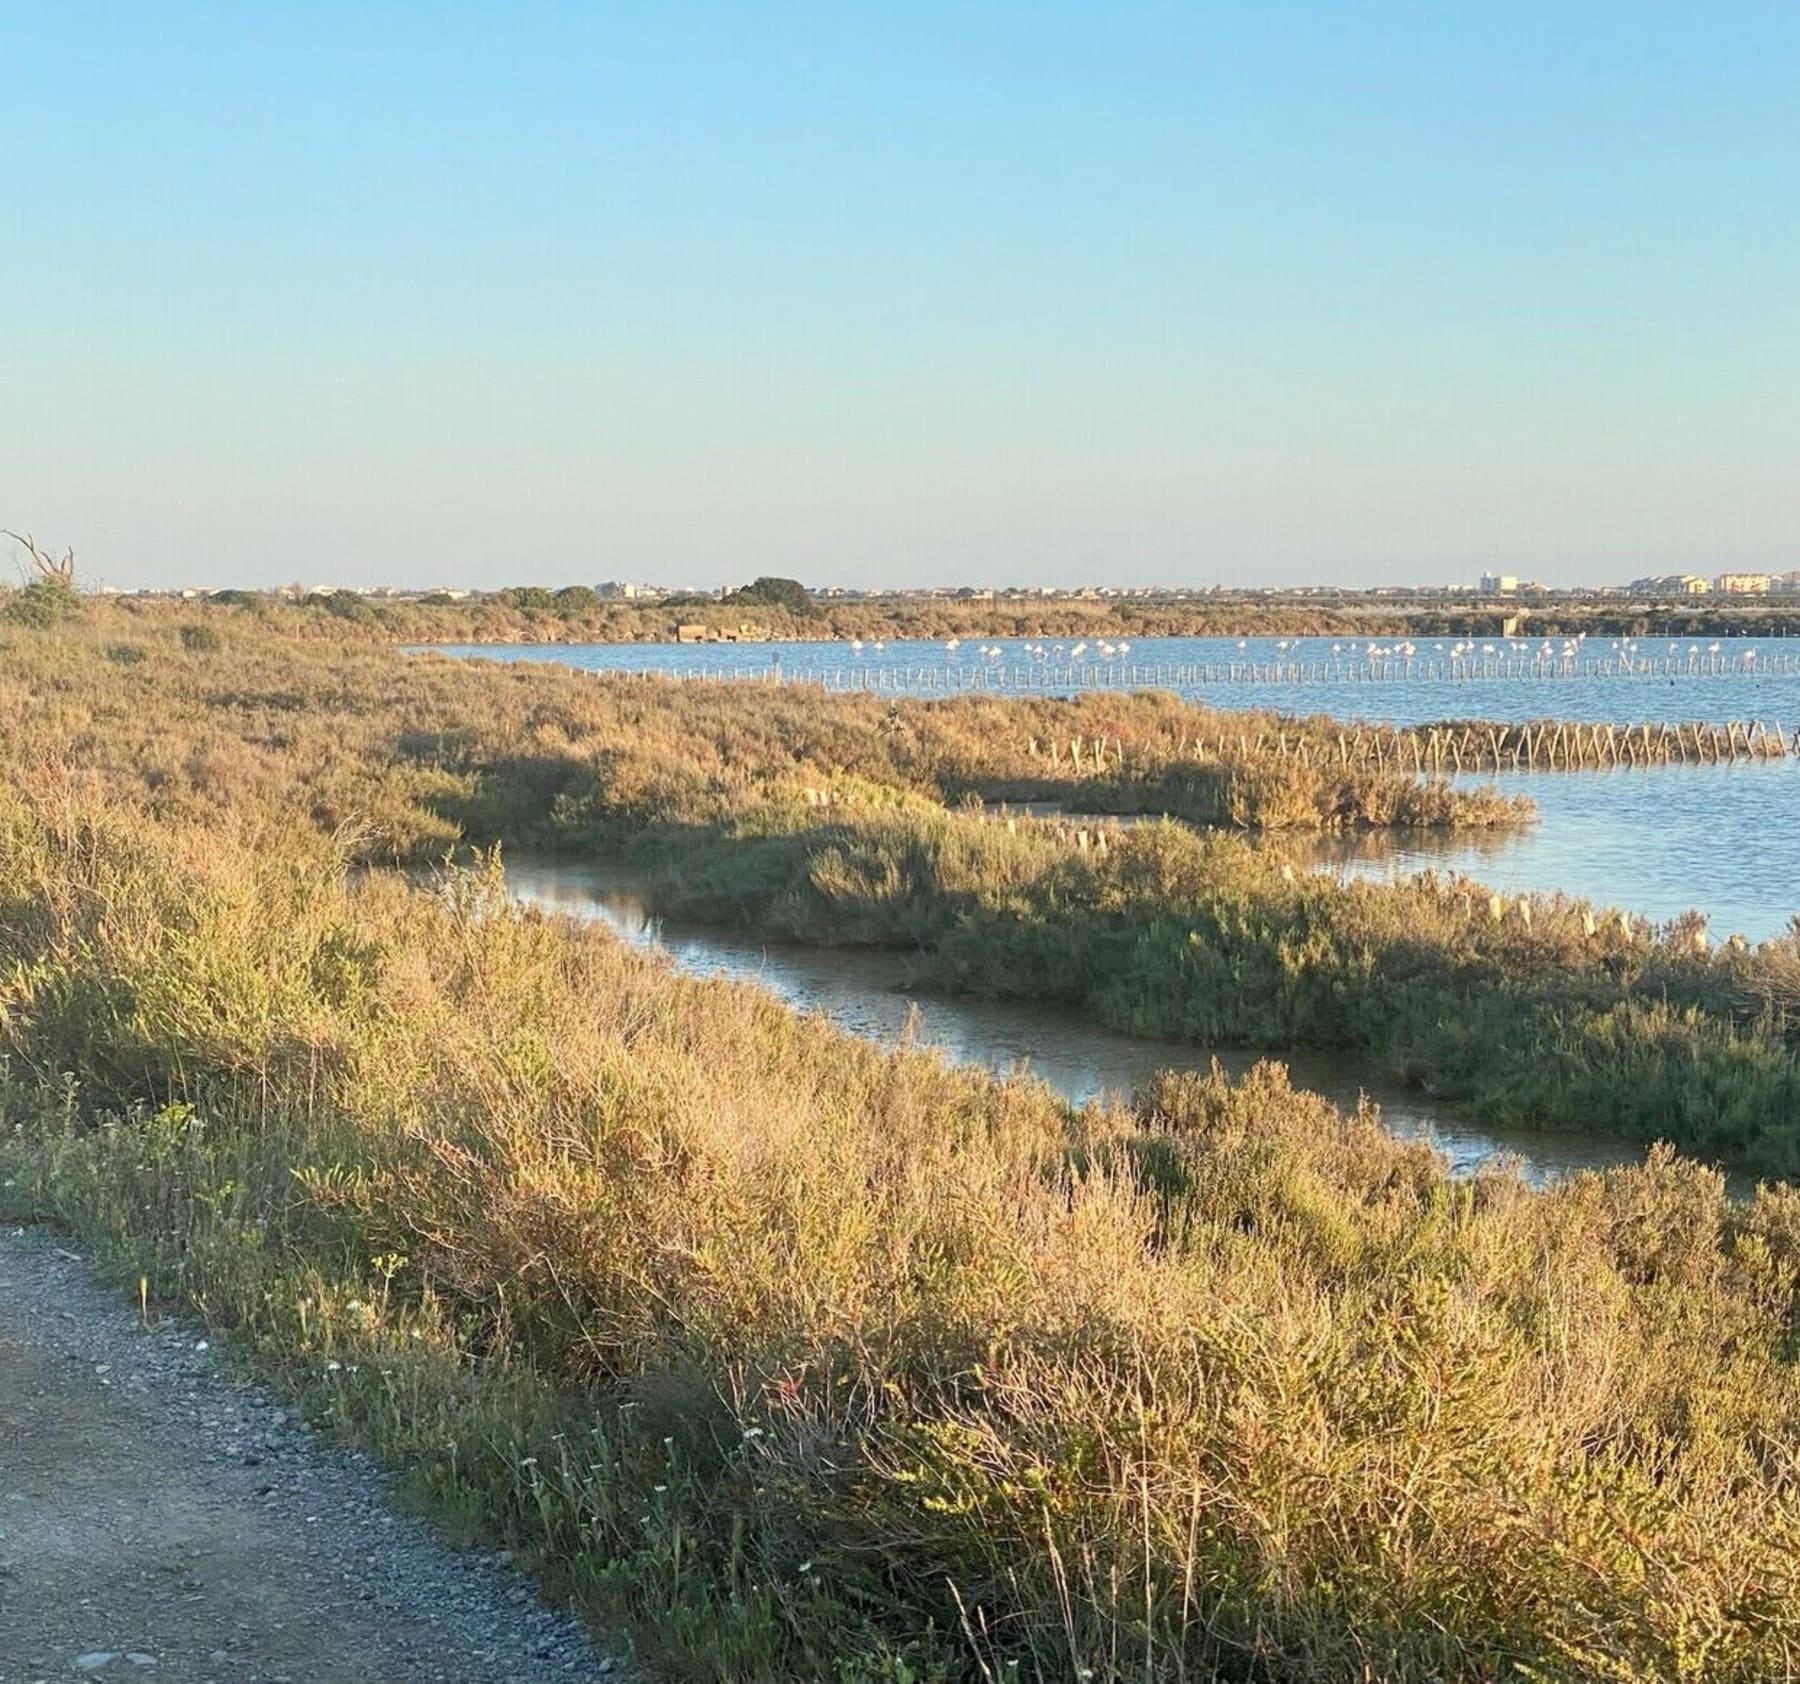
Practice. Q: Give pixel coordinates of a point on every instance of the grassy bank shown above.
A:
(411, 748)
(817, 1362)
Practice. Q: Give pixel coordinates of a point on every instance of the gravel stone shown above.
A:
(150, 1504)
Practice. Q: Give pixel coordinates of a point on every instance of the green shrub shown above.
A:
(43, 603)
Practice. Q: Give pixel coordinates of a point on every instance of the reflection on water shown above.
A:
(865, 993)
(1658, 842)
(1370, 853)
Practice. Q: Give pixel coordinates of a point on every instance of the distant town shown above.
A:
(1654, 587)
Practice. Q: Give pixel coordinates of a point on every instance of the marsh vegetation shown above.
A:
(814, 1360)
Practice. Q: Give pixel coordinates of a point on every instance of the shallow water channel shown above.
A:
(867, 994)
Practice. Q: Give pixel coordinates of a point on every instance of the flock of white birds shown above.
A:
(1036, 651)
(1549, 649)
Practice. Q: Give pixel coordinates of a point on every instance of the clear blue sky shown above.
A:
(912, 294)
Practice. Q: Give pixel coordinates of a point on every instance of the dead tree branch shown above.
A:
(48, 565)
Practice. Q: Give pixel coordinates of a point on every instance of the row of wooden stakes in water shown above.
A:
(1462, 748)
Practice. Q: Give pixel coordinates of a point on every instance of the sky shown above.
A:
(1250, 294)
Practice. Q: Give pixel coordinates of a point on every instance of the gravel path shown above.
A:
(159, 1523)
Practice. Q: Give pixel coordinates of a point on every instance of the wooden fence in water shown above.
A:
(1475, 747)
(1060, 677)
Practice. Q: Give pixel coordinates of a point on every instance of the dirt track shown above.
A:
(158, 1523)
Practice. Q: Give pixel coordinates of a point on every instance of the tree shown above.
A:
(51, 596)
(768, 592)
(347, 605)
(527, 596)
(575, 599)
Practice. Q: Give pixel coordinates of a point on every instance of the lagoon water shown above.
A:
(867, 994)
(1604, 681)
(1654, 842)
(1721, 839)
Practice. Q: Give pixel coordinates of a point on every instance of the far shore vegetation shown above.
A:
(779, 609)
